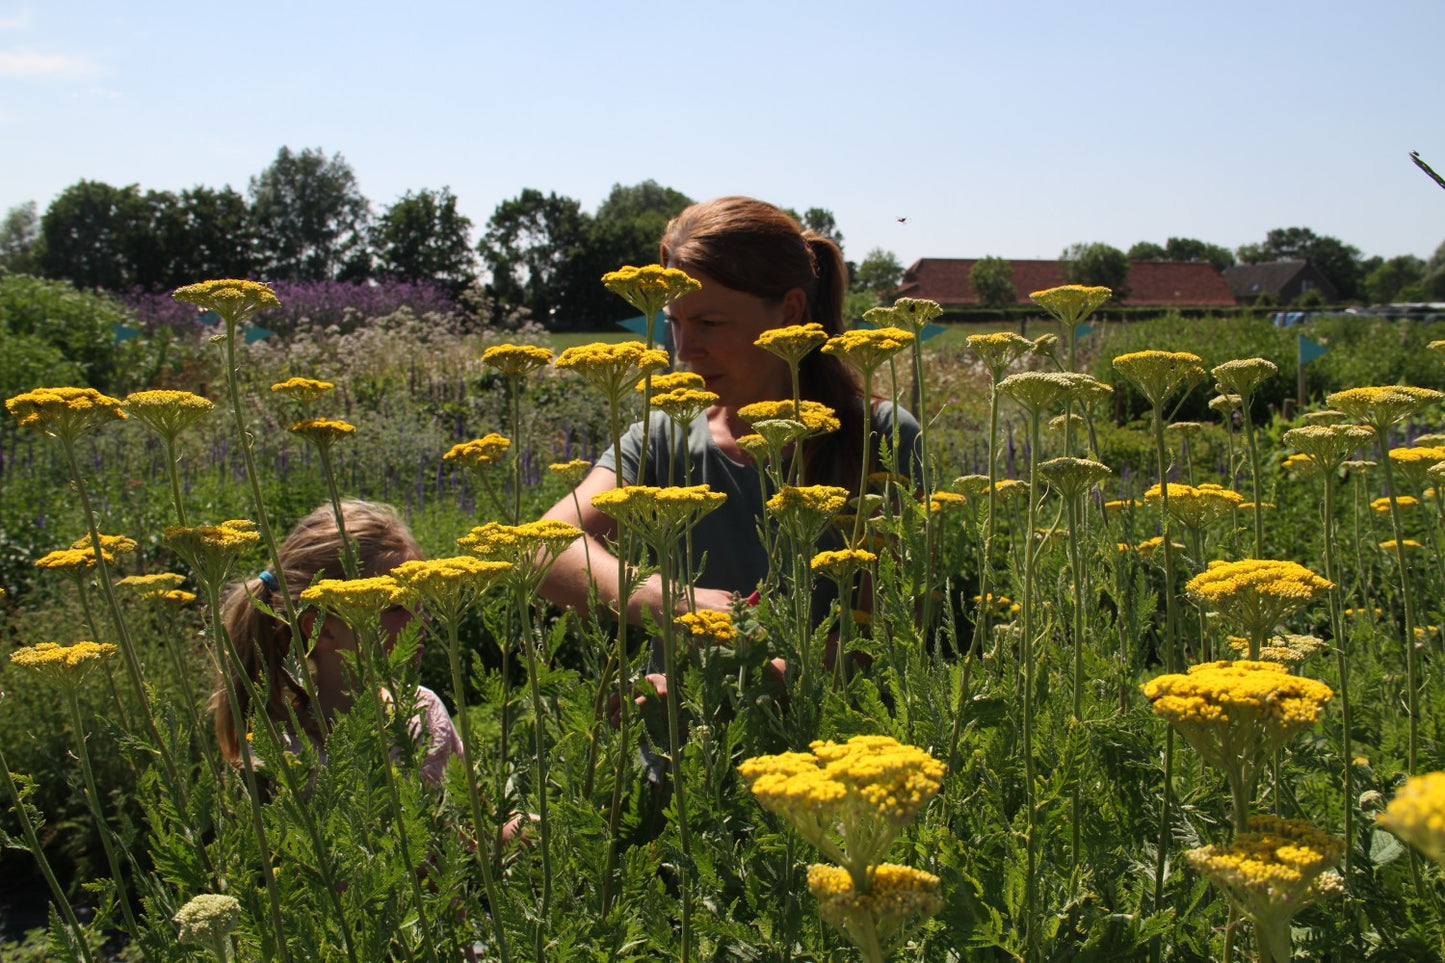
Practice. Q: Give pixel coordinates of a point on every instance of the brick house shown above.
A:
(1176, 284)
(1285, 281)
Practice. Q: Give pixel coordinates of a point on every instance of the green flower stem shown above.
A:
(675, 749)
(1171, 613)
(32, 842)
(93, 797)
(1028, 682)
(349, 563)
(925, 475)
(539, 749)
(1076, 568)
(1165, 836)
(174, 472)
(863, 462)
(1342, 658)
(1407, 595)
(1258, 506)
(624, 666)
(474, 793)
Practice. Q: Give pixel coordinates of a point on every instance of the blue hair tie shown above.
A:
(269, 580)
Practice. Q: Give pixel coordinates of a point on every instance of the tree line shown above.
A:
(304, 218)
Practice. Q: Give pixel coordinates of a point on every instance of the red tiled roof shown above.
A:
(1162, 283)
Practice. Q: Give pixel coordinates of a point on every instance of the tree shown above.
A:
(423, 237)
(209, 236)
(821, 221)
(1384, 282)
(1336, 260)
(310, 218)
(1147, 251)
(992, 279)
(90, 233)
(1097, 264)
(1435, 274)
(1183, 249)
(18, 233)
(531, 250)
(878, 274)
(625, 230)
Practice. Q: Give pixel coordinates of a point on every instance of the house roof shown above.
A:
(1163, 283)
(1249, 281)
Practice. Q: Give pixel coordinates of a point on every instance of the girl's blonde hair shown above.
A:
(313, 550)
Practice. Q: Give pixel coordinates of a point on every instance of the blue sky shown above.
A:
(1010, 129)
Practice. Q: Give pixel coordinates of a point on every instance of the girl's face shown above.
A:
(713, 331)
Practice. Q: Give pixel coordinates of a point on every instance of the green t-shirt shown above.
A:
(726, 550)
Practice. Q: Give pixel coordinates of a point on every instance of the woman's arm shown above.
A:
(569, 581)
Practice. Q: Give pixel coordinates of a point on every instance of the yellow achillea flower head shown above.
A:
(1382, 504)
(1037, 391)
(531, 547)
(651, 288)
(447, 586)
(212, 550)
(209, 919)
(80, 556)
(1244, 375)
(659, 515)
(1071, 303)
(167, 413)
(851, 799)
(1408, 544)
(683, 405)
(63, 413)
(1272, 872)
(1415, 463)
(911, 314)
(1073, 476)
(998, 604)
(708, 626)
(612, 368)
(1299, 462)
(880, 915)
(671, 380)
(153, 584)
(1225, 404)
(1324, 416)
(1010, 489)
(804, 511)
(1416, 814)
(1256, 593)
(942, 501)
(1383, 405)
(867, 348)
(793, 342)
(358, 602)
(1160, 374)
(64, 665)
(1197, 507)
(999, 350)
(572, 472)
(1288, 650)
(758, 446)
(303, 390)
(516, 360)
(479, 452)
(232, 299)
(971, 486)
(842, 564)
(323, 432)
(818, 417)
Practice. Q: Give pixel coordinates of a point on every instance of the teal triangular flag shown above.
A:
(123, 332)
(1082, 329)
(208, 317)
(257, 333)
(1309, 350)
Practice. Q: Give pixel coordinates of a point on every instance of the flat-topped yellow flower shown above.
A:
(1287, 649)
(943, 502)
(1256, 593)
(80, 556)
(683, 405)
(1271, 872)
(209, 919)
(848, 799)
(447, 586)
(792, 342)
(303, 390)
(842, 564)
(1200, 506)
(867, 348)
(1037, 391)
(658, 515)
(971, 486)
(612, 368)
(516, 360)
(323, 432)
(999, 350)
(1073, 476)
(358, 602)
(1382, 504)
(880, 916)
(152, 584)
(671, 380)
(804, 511)
(1415, 461)
(1008, 490)
(572, 472)
(1159, 375)
(1225, 404)
(650, 288)
(213, 550)
(1381, 406)
(65, 412)
(1243, 375)
(708, 626)
(234, 300)
(816, 416)
(479, 452)
(167, 413)
(912, 314)
(64, 665)
(1416, 813)
(1328, 444)
(531, 547)
(1071, 303)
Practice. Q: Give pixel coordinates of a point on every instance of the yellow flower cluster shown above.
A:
(447, 586)
(1244, 375)
(153, 584)
(612, 368)
(1272, 872)
(516, 360)
(672, 380)
(1256, 593)
(708, 625)
(1328, 444)
(945, 501)
(1071, 303)
(1408, 544)
(1288, 649)
(911, 314)
(1037, 391)
(1382, 504)
(1200, 506)
(322, 431)
(850, 799)
(683, 405)
(530, 546)
(999, 350)
(572, 472)
(80, 556)
(658, 515)
(1010, 489)
(1074, 476)
(792, 342)
(63, 412)
(479, 452)
(1383, 405)
(816, 416)
(167, 413)
(650, 288)
(208, 919)
(841, 564)
(1417, 814)
(1159, 374)
(212, 550)
(231, 298)
(302, 390)
(999, 604)
(358, 602)
(880, 914)
(64, 665)
(868, 347)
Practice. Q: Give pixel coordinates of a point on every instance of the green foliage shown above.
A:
(51, 323)
(1336, 260)
(18, 234)
(310, 218)
(1183, 249)
(992, 280)
(1097, 264)
(423, 237)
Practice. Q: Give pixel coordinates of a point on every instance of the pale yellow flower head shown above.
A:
(167, 413)
(867, 348)
(1037, 391)
(64, 413)
(1071, 303)
(213, 550)
(1384, 405)
(1197, 507)
(1244, 375)
(208, 919)
(818, 417)
(805, 511)
(148, 586)
(479, 452)
(516, 360)
(531, 547)
(1255, 594)
(447, 586)
(842, 564)
(1416, 814)
(234, 300)
(999, 350)
(1159, 375)
(1415, 462)
(912, 314)
(708, 626)
(895, 898)
(1288, 649)
(358, 602)
(304, 391)
(323, 432)
(1073, 476)
(572, 472)
(612, 368)
(63, 665)
(659, 515)
(651, 288)
(793, 342)
(1328, 445)
(683, 405)
(670, 380)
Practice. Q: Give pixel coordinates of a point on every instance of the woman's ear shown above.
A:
(307, 622)
(795, 307)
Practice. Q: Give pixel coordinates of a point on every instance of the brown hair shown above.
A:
(312, 550)
(751, 246)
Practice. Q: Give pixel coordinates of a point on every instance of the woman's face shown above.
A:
(713, 331)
